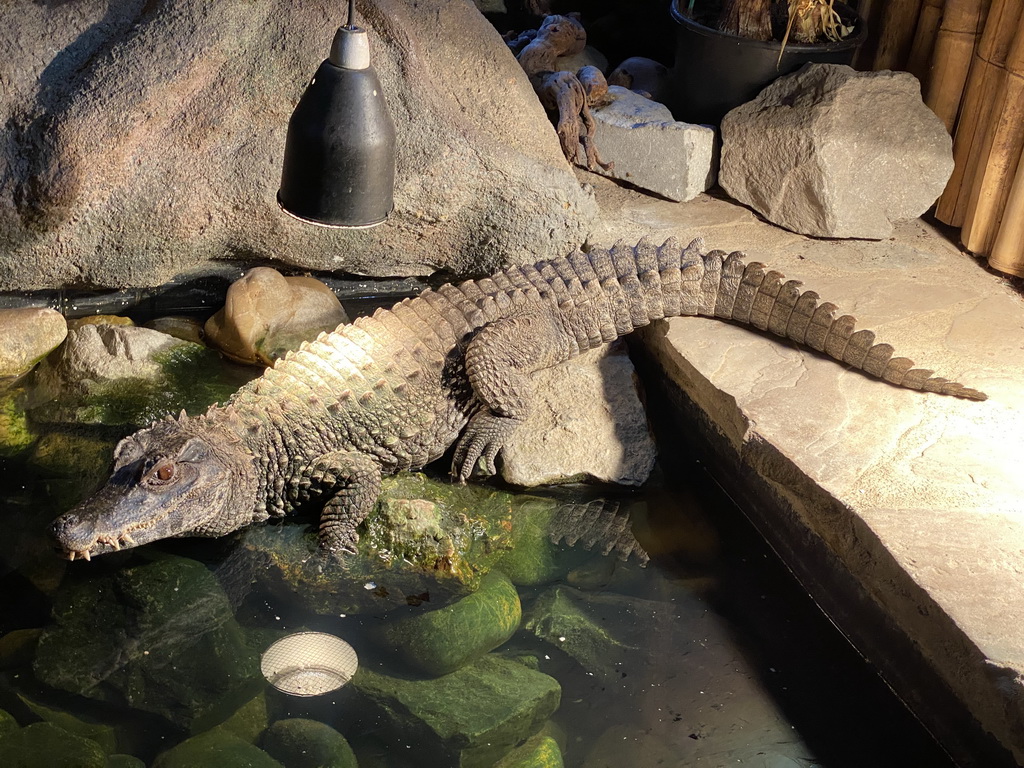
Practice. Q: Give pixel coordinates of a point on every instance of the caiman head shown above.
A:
(177, 478)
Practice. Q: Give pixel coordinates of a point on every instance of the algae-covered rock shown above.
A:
(216, 749)
(7, 723)
(533, 559)
(158, 636)
(42, 745)
(101, 733)
(249, 721)
(470, 718)
(15, 432)
(18, 647)
(440, 641)
(605, 634)
(129, 376)
(302, 743)
(72, 454)
(124, 761)
(426, 542)
(539, 752)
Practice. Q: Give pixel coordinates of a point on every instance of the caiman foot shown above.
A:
(484, 438)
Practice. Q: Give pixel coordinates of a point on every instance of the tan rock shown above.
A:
(78, 322)
(26, 336)
(587, 422)
(267, 314)
(184, 328)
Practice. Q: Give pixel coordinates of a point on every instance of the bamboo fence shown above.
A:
(974, 81)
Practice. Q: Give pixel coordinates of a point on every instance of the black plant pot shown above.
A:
(716, 71)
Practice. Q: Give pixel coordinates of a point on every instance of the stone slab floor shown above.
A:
(902, 513)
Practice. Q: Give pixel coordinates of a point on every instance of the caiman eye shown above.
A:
(162, 472)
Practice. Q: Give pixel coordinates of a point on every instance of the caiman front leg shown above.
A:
(499, 360)
(349, 484)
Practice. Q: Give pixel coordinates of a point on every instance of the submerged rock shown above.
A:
(158, 636)
(301, 743)
(539, 752)
(101, 733)
(832, 152)
(16, 435)
(42, 745)
(7, 723)
(470, 718)
(249, 721)
(216, 749)
(426, 542)
(441, 641)
(124, 761)
(267, 314)
(605, 634)
(203, 91)
(26, 336)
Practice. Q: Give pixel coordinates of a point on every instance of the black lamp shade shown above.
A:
(339, 157)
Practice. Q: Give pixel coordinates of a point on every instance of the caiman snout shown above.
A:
(79, 536)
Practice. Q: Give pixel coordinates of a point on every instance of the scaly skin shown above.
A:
(394, 391)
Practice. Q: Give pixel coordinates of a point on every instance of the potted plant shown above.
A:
(727, 51)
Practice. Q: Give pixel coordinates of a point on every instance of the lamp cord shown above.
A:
(351, 14)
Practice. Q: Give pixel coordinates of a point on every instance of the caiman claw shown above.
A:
(484, 437)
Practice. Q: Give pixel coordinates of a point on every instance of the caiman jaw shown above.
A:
(111, 544)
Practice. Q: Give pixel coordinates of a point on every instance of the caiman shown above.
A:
(397, 389)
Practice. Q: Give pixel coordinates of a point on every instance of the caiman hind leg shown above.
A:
(499, 360)
(349, 484)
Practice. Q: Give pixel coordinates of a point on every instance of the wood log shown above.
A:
(997, 163)
(899, 19)
(976, 110)
(919, 62)
(747, 18)
(961, 27)
(1008, 249)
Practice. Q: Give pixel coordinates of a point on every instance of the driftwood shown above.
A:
(569, 94)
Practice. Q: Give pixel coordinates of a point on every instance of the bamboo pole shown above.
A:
(999, 157)
(987, 72)
(962, 25)
(1008, 248)
(870, 12)
(919, 61)
(899, 18)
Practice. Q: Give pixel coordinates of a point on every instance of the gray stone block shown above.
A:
(650, 149)
(832, 152)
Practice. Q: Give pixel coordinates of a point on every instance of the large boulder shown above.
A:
(146, 136)
(832, 152)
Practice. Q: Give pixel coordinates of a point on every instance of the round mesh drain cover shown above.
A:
(309, 663)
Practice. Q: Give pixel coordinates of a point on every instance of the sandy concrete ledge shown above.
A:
(901, 512)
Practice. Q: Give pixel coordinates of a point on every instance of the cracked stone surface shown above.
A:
(920, 499)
